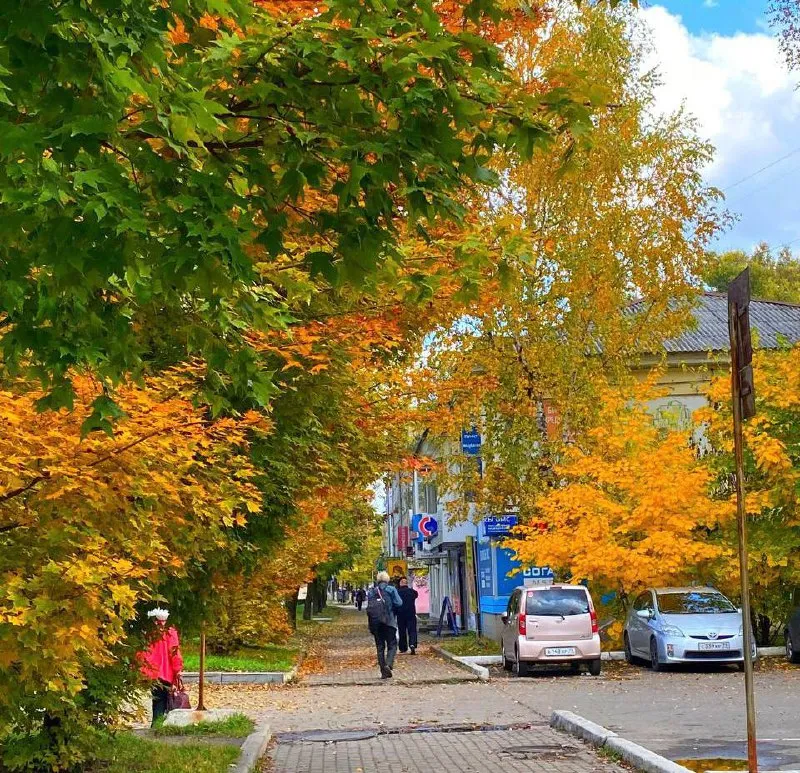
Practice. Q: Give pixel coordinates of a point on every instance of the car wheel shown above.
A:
(520, 668)
(628, 652)
(595, 666)
(506, 661)
(654, 663)
(791, 655)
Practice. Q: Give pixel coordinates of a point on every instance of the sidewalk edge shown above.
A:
(481, 672)
(253, 748)
(601, 738)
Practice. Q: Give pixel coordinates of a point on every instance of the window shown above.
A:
(557, 602)
(429, 497)
(694, 603)
(513, 604)
(643, 602)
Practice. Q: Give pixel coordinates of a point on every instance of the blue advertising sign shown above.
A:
(499, 525)
(415, 519)
(471, 442)
(505, 564)
(428, 526)
(485, 568)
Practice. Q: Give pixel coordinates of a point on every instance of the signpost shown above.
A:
(744, 406)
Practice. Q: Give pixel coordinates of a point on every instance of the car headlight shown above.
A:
(671, 630)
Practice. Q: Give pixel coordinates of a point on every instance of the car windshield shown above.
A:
(557, 602)
(694, 603)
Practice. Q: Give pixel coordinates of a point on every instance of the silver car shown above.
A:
(684, 625)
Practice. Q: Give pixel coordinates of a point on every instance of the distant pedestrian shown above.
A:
(407, 617)
(361, 595)
(162, 662)
(383, 601)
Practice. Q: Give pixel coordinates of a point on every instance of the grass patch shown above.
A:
(470, 644)
(271, 657)
(235, 726)
(609, 754)
(127, 753)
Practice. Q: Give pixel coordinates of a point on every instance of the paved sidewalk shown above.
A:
(343, 653)
(342, 718)
(534, 750)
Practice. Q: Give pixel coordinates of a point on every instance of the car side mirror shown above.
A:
(504, 618)
(645, 614)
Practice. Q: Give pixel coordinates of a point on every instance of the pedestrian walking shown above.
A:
(383, 601)
(407, 617)
(162, 662)
(361, 595)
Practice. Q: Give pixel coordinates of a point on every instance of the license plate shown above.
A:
(714, 645)
(557, 651)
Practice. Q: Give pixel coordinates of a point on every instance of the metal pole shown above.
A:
(741, 517)
(202, 676)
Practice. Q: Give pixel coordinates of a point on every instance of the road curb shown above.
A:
(242, 677)
(576, 725)
(602, 738)
(253, 748)
(479, 671)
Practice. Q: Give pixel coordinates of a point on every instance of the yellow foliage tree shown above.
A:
(630, 506)
(88, 529)
(772, 481)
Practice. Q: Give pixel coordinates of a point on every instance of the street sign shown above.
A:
(471, 442)
(428, 526)
(499, 525)
(741, 341)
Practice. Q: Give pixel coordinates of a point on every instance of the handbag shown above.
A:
(178, 699)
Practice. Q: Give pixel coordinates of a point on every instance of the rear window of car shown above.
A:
(557, 602)
(694, 603)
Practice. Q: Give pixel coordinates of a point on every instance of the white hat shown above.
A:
(158, 613)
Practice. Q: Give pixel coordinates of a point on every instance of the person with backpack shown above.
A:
(383, 601)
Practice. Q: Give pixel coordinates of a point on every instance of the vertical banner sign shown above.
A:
(402, 537)
(472, 579)
(744, 406)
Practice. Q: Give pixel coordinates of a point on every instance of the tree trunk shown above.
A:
(319, 594)
(291, 608)
(308, 605)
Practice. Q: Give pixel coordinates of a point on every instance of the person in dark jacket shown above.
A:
(407, 617)
(361, 595)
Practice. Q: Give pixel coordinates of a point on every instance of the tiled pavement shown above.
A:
(346, 653)
(535, 750)
(431, 716)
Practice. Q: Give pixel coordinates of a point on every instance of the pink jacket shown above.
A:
(163, 659)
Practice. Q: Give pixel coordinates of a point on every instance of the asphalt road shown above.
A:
(685, 714)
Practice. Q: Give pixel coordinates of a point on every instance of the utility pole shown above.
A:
(743, 396)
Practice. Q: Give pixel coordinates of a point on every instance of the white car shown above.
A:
(684, 625)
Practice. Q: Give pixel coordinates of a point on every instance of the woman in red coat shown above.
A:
(162, 662)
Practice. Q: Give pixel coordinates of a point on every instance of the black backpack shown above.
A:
(378, 609)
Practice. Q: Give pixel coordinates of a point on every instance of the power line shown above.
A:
(763, 169)
(747, 194)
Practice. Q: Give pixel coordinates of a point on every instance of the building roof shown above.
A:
(774, 321)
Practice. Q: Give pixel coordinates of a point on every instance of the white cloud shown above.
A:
(746, 103)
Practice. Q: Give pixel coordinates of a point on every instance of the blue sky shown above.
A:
(720, 60)
(724, 17)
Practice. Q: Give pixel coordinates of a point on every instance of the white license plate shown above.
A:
(714, 645)
(554, 652)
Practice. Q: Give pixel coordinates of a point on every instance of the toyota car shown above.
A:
(684, 625)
